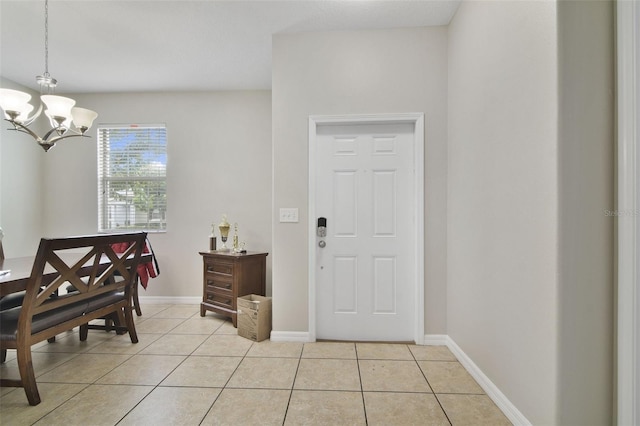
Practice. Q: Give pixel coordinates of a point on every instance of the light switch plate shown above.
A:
(289, 214)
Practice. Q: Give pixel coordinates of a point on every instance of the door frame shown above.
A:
(415, 119)
(628, 218)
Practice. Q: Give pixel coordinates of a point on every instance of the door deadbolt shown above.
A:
(322, 227)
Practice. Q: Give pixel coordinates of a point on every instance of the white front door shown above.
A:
(365, 274)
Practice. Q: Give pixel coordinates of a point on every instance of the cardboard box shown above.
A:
(254, 317)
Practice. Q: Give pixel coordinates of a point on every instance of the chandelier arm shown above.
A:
(47, 145)
(59, 138)
(69, 133)
(49, 133)
(19, 127)
(62, 132)
(35, 115)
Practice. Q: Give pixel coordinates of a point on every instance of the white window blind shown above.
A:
(132, 177)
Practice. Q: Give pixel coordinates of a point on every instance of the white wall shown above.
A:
(529, 250)
(219, 150)
(383, 71)
(21, 177)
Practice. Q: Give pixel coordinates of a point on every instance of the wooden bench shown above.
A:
(102, 289)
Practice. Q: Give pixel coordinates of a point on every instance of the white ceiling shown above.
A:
(179, 45)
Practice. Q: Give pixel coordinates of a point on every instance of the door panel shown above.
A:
(345, 196)
(384, 203)
(384, 285)
(345, 284)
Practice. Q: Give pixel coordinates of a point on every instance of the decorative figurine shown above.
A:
(224, 232)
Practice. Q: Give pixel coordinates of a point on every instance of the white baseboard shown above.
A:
(290, 336)
(492, 391)
(161, 300)
(435, 340)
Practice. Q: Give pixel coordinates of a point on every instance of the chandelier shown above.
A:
(60, 111)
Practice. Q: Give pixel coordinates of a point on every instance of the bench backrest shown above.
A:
(87, 263)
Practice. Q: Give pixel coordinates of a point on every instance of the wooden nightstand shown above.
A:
(227, 275)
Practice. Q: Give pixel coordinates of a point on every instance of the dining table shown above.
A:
(15, 272)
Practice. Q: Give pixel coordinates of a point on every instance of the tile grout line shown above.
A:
(364, 404)
(87, 384)
(295, 376)
(228, 380)
(435, 395)
(298, 374)
(71, 336)
(158, 384)
(192, 354)
(137, 353)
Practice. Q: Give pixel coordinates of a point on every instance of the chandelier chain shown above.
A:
(46, 38)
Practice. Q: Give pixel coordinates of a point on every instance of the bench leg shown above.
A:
(119, 321)
(131, 326)
(136, 301)
(27, 376)
(84, 332)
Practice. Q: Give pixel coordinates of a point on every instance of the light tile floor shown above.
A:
(189, 370)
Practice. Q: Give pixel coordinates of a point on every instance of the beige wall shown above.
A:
(530, 167)
(21, 177)
(502, 229)
(384, 71)
(518, 171)
(219, 149)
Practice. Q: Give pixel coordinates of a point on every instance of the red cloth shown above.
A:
(145, 270)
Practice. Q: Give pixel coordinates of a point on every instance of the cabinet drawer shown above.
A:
(218, 267)
(213, 282)
(220, 299)
(216, 280)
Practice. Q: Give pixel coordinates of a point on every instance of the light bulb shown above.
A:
(83, 118)
(58, 106)
(24, 114)
(15, 101)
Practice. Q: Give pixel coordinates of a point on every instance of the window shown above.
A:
(132, 177)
